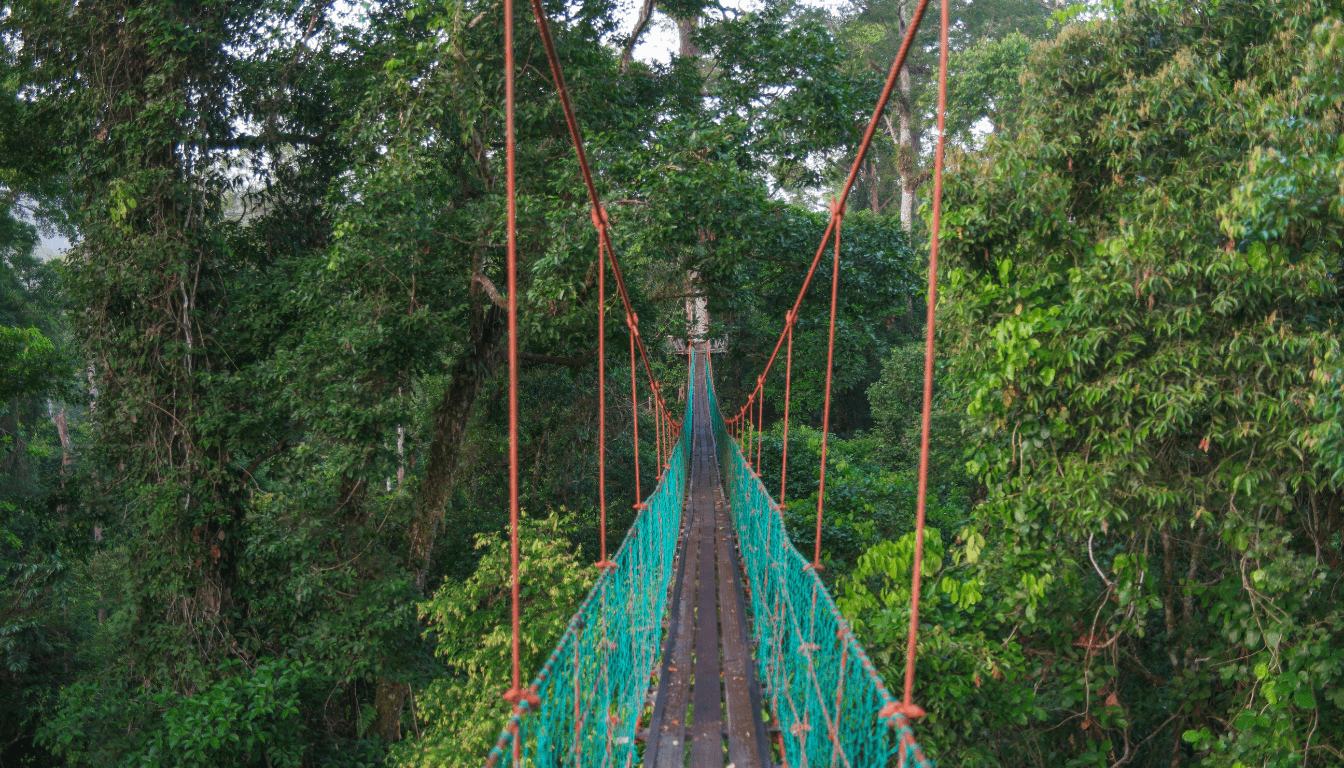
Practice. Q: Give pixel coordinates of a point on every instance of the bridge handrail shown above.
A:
(592, 688)
(827, 696)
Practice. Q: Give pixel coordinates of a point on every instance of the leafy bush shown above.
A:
(461, 714)
(1142, 305)
(248, 716)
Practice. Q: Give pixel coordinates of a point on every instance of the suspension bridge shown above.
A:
(709, 640)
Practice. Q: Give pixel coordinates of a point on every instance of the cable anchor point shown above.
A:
(520, 696)
(908, 711)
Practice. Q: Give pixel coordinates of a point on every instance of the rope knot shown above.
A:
(799, 729)
(807, 649)
(520, 696)
(599, 216)
(894, 708)
(604, 565)
(837, 208)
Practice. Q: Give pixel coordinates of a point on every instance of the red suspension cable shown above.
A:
(658, 433)
(599, 213)
(837, 216)
(930, 311)
(746, 430)
(864, 145)
(788, 380)
(631, 322)
(515, 694)
(760, 423)
(602, 394)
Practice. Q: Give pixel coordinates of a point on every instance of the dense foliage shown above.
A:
(1142, 314)
(253, 440)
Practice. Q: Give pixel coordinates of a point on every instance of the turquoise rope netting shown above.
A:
(593, 686)
(820, 685)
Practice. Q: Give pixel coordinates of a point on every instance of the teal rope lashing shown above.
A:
(820, 685)
(592, 688)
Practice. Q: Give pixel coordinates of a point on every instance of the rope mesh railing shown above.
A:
(587, 701)
(829, 700)
(591, 691)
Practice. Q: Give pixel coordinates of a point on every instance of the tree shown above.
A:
(1142, 312)
(288, 283)
(979, 30)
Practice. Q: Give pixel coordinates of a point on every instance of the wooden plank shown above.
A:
(744, 720)
(707, 657)
(707, 726)
(760, 737)
(667, 725)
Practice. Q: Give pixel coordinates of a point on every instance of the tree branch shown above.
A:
(479, 278)
(628, 51)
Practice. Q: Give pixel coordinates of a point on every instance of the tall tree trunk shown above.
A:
(58, 418)
(907, 148)
(488, 349)
(874, 199)
(489, 336)
(686, 29)
(645, 14)
(908, 137)
(388, 701)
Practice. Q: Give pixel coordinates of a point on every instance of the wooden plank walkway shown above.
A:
(707, 709)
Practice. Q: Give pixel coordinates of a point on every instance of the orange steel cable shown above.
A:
(755, 430)
(916, 18)
(745, 416)
(748, 427)
(788, 380)
(599, 213)
(760, 425)
(660, 416)
(515, 694)
(935, 223)
(602, 398)
(634, 407)
(753, 405)
(658, 437)
(837, 216)
(862, 153)
(667, 433)
(604, 238)
(751, 430)
(667, 436)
